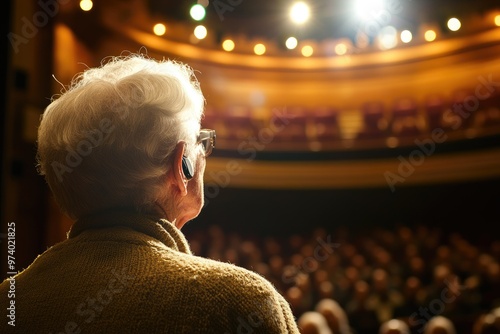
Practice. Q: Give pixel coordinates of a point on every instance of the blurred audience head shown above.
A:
(335, 315)
(313, 323)
(394, 326)
(439, 325)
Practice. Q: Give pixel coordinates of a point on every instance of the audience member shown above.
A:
(394, 326)
(312, 322)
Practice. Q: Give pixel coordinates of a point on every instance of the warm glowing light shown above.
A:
(430, 35)
(159, 29)
(300, 12)
(454, 24)
(259, 49)
(291, 43)
(307, 51)
(406, 36)
(341, 49)
(86, 5)
(388, 38)
(197, 12)
(497, 20)
(228, 45)
(200, 32)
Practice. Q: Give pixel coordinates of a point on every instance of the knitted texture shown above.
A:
(130, 273)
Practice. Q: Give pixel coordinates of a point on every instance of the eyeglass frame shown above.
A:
(207, 138)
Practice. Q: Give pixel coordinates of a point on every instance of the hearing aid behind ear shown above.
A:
(187, 168)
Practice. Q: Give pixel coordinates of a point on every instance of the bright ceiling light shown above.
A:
(497, 20)
(159, 29)
(197, 12)
(454, 24)
(200, 32)
(430, 35)
(369, 9)
(291, 43)
(406, 36)
(300, 12)
(86, 5)
(259, 49)
(228, 45)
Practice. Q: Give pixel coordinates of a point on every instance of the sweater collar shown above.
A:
(158, 228)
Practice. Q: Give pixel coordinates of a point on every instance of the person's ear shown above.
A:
(180, 180)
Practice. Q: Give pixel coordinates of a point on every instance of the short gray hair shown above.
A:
(106, 141)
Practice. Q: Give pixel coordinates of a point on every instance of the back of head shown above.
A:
(104, 142)
(394, 326)
(334, 314)
(313, 323)
(439, 325)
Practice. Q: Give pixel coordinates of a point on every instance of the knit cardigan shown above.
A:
(131, 273)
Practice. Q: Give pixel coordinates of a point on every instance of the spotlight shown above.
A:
(197, 12)
(454, 24)
(291, 43)
(369, 9)
(406, 36)
(307, 51)
(86, 5)
(228, 45)
(259, 49)
(159, 29)
(430, 35)
(388, 38)
(200, 32)
(300, 12)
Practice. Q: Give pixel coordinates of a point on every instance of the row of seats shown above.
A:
(405, 117)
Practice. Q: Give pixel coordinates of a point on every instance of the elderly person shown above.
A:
(124, 156)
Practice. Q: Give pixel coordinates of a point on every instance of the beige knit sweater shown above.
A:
(129, 273)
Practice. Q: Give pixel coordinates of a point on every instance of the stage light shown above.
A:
(300, 12)
(406, 36)
(291, 43)
(86, 5)
(388, 38)
(197, 12)
(159, 29)
(497, 20)
(454, 24)
(228, 45)
(430, 35)
(307, 51)
(259, 49)
(341, 49)
(369, 9)
(200, 32)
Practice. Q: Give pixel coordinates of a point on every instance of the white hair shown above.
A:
(106, 141)
(439, 322)
(394, 325)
